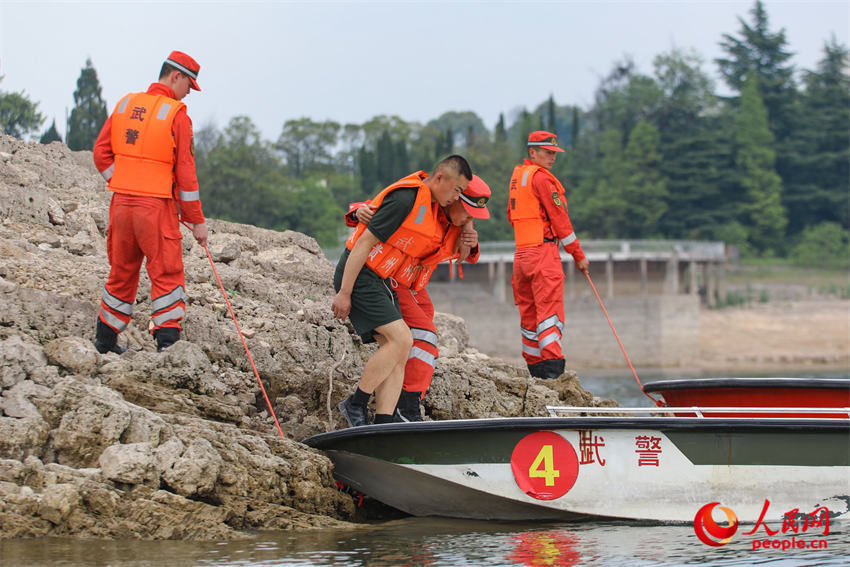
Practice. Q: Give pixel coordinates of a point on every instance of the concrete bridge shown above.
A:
(618, 268)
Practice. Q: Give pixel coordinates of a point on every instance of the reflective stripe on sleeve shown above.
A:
(424, 335)
(568, 239)
(189, 195)
(422, 355)
(173, 315)
(107, 173)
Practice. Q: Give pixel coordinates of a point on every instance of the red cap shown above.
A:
(545, 140)
(475, 198)
(187, 65)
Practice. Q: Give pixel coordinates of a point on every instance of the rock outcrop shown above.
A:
(180, 444)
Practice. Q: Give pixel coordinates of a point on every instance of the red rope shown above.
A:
(244, 344)
(616, 336)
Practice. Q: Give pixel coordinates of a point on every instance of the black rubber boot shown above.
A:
(106, 339)
(408, 406)
(165, 337)
(547, 369)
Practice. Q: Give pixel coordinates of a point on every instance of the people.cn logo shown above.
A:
(708, 531)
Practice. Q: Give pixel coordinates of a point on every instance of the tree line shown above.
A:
(657, 155)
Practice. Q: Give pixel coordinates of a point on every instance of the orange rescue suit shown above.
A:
(419, 235)
(143, 145)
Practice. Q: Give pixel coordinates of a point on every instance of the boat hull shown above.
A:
(757, 392)
(650, 469)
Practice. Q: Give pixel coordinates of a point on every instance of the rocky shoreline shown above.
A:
(179, 444)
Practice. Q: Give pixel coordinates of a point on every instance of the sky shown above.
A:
(349, 61)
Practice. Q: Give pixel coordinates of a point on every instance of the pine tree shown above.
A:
(551, 121)
(51, 135)
(576, 127)
(755, 159)
(89, 112)
(500, 134)
(646, 186)
(818, 188)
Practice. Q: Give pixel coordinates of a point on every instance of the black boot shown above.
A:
(547, 369)
(106, 339)
(165, 337)
(408, 406)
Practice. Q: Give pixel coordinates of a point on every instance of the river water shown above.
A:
(446, 542)
(442, 542)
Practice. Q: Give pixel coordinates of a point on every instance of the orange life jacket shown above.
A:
(416, 275)
(524, 207)
(143, 145)
(419, 235)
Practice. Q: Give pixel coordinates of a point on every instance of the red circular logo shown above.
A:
(545, 465)
(705, 526)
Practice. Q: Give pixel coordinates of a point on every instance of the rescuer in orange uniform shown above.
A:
(460, 243)
(537, 210)
(145, 152)
(403, 234)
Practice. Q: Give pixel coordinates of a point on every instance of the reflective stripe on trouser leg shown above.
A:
(125, 260)
(418, 313)
(548, 291)
(419, 369)
(165, 268)
(549, 337)
(524, 299)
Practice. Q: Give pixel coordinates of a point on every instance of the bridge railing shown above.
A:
(701, 250)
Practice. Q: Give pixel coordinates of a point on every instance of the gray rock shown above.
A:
(18, 359)
(75, 354)
(16, 401)
(58, 501)
(130, 464)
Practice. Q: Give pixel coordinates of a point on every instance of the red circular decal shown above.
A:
(545, 465)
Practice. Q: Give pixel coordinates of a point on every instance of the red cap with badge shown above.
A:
(545, 140)
(187, 65)
(475, 198)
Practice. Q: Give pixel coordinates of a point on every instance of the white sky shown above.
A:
(349, 61)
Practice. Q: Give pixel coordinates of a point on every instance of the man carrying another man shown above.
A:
(459, 243)
(404, 230)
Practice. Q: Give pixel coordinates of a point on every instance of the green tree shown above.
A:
(826, 245)
(601, 192)
(646, 186)
(758, 50)
(19, 116)
(500, 134)
(307, 145)
(817, 189)
(576, 127)
(755, 159)
(624, 98)
(551, 119)
(89, 112)
(242, 180)
(50, 135)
